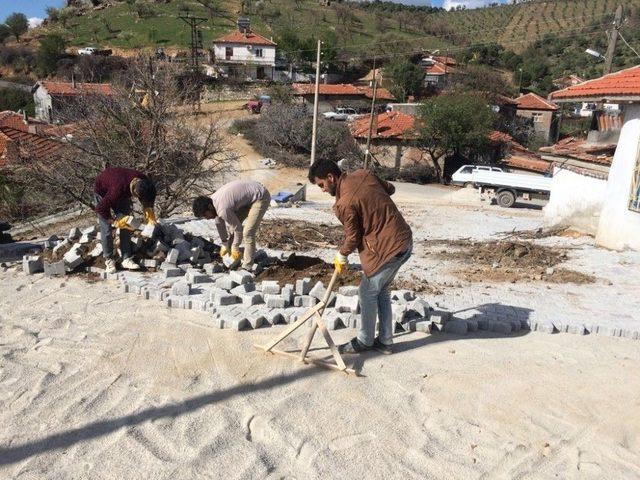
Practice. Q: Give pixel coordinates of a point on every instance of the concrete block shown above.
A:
(244, 288)
(347, 304)
(181, 288)
(275, 316)
(225, 282)
(150, 263)
(545, 327)
(194, 276)
(303, 287)
(171, 272)
(439, 317)
(423, 326)
(318, 291)
(241, 276)
(349, 291)
(420, 307)
(287, 293)
(457, 327)
(334, 320)
(160, 246)
(609, 331)
(402, 296)
(97, 250)
(577, 329)
(73, 259)
(275, 301)
(91, 230)
(32, 264)
(185, 267)
(149, 230)
(84, 239)
(304, 301)
(237, 323)
(74, 234)
(134, 222)
(60, 246)
(270, 287)
(211, 268)
(221, 298)
(173, 255)
(251, 298)
(398, 312)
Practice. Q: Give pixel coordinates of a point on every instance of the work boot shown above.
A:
(129, 264)
(110, 265)
(354, 346)
(381, 347)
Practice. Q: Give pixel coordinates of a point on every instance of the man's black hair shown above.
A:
(201, 205)
(146, 192)
(322, 169)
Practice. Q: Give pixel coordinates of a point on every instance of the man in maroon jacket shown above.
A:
(374, 226)
(114, 188)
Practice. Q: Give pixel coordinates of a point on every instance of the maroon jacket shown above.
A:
(372, 223)
(113, 185)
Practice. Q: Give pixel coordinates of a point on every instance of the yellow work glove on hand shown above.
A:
(235, 254)
(340, 262)
(150, 216)
(224, 251)
(123, 223)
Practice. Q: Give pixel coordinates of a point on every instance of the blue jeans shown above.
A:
(375, 301)
(123, 207)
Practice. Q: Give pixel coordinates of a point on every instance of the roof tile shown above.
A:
(68, 88)
(619, 84)
(389, 125)
(244, 38)
(342, 89)
(531, 101)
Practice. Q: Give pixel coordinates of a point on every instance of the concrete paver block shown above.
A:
(347, 304)
(173, 255)
(63, 244)
(73, 258)
(270, 287)
(212, 268)
(497, 327)
(244, 288)
(149, 230)
(275, 301)
(251, 298)
(194, 276)
(318, 291)
(349, 291)
(457, 327)
(221, 298)
(303, 287)
(150, 263)
(304, 301)
(440, 317)
(74, 234)
(226, 282)
(181, 288)
(241, 276)
(32, 264)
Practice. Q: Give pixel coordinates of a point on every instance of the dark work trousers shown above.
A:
(123, 207)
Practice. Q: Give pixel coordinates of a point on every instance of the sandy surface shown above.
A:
(96, 384)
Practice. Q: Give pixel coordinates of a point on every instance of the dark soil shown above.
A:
(507, 261)
(299, 235)
(299, 267)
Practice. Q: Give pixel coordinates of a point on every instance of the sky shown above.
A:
(36, 8)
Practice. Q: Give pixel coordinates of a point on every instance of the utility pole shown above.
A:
(367, 153)
(315, 107)
(196, 39)
(613, 38)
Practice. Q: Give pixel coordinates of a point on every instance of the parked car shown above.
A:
(465, 175)
(94, 51)
(340, 114)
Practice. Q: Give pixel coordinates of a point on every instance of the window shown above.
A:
(259, 53)
(228, 52)
(634, 195)
(537, 117)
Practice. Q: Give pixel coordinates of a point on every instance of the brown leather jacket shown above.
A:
(372, 222)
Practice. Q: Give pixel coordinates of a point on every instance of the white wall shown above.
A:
(619, 227)
(576, 201)
(42, 102)
(242, 54)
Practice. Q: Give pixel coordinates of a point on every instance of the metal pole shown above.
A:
(613, 38)
(367, 154)
(315, 107)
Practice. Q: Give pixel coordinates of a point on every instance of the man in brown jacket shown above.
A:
(374, 226)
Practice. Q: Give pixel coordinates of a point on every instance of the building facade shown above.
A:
(245, 56)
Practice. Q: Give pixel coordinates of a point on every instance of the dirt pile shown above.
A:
(297, 267)
(507, 261)
(299, 235)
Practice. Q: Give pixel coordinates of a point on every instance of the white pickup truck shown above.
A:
(503, 186)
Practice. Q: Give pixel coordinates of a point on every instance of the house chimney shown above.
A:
(25, 118)
(73, 80)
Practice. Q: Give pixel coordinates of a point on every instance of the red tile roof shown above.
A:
(620, 85)
(579, 149)
(38, 145)
(68, 89)
(342, 89)
(518, 156)
(531, 101)
(16, 120)
(244, 38)
(386, 125)
(447, 60)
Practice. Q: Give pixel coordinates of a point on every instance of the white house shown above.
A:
(52, 98)
(245, 55)
(619, 219)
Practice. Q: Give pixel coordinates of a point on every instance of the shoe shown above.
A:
(129, 264)
(354, 346)
(110, 265)
(381, 347)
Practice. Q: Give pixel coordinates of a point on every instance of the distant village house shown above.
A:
(53, 98)
(542, 112)
(332, 96)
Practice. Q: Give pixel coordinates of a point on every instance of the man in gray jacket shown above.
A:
(232, 204)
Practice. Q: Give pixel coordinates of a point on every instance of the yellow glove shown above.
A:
(235, 254)
(150, 216)
(340, 263)
(224, 251)
(123, 223)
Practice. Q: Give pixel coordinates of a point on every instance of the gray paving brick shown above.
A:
(173, 255)
(181, 288)
(220, 298)
(251, 298)
(275, 301)
(32, 264)
(349, 291)
(497, 327)
(244, 288)
(226, 282)
(318, 291)
(303, 287)
(304, 301)
(347, 304)
(270, 287)
(195, 276)
(241, 276)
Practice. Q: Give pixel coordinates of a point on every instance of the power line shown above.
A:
(627, 44)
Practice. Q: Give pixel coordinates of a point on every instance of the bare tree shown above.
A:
(142, 125)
